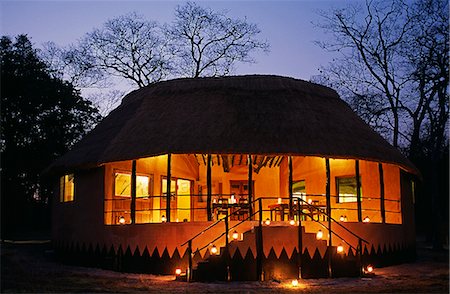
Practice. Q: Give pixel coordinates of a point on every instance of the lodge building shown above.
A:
(277, 176)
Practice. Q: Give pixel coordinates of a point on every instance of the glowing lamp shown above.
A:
(340, 249)
(163, 219)
(319, 235)
(342, 218)
(292, 222)
(369, 269)
(294, 283)
(214, 250)
(121, 220)
(235, 235)
(309, 201)
(178, 271)
(279, 200)
(267, 222)
(177, 220)
(366, 219)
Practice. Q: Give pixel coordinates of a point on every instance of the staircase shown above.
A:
(278, 257)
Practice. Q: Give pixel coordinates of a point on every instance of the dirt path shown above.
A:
(29, 268)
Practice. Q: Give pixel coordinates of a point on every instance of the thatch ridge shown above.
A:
(255, 114)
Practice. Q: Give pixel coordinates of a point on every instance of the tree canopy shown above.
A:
(41, 117)
(393, 70)
(199, 42)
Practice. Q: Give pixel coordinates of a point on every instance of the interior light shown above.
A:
(340, 249)
(319, 235)
(178, 271)
(163, 219)
(295, 283)
(214, 250)
(342, 218)
(292, 222)
(366, 219)
(121, 220)
(309, 201)
(279, 200)
(235, 235)
(267, 222)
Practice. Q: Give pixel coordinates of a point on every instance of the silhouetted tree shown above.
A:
(41, 117)
(209, 43)
(393, 70)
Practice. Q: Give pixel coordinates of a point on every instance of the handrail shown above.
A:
(198, 249)
(217, 222)
(338, 223)
(227, 230)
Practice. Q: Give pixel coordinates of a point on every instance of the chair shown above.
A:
(243, 210)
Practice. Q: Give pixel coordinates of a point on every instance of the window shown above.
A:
(299, 189)
(346, 189)
(66, 188)
(122, 185)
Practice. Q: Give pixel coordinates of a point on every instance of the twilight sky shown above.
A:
(285, 24)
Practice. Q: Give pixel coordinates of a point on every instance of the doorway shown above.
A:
(180, 200)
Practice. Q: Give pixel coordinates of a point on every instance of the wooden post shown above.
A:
(169, 181)
(300, 239)
(328, 199)
(208, 188)
(250, 187)
(290, 184)
(382, 208)
(358, 191)
(259, 245)
(189, 252)
(133, 192)
(227, 255)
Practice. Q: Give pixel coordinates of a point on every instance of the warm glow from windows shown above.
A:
(122, 185)
(346, 189)
(67, 188)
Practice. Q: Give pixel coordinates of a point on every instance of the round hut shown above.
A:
(265, 175)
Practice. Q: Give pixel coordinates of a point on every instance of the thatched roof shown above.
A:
(268, 115)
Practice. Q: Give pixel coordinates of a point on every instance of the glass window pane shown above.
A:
(142, 186)
(122, 184)
(346, 189)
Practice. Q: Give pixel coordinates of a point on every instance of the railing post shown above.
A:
(358, 191)
(382, 207)
(169, 182)
(189, 252)
(133, 192)
(227, 263)
(250, 186)
(290, 187)
(259, 245)
(360, 257)
(328, 199)
(300, 239)
(208, 188)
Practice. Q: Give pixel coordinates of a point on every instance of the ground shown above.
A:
(31, 268)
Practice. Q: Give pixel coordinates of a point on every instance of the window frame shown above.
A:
(301, 195)
(353, 197)
(63, 197)
(124, 172)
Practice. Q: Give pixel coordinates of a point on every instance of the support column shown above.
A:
(358, 191)
(290, 183)
(250, 186)
(382, 208)
(133, 192)
(328, 199)
(169, 181)
(208, 188)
